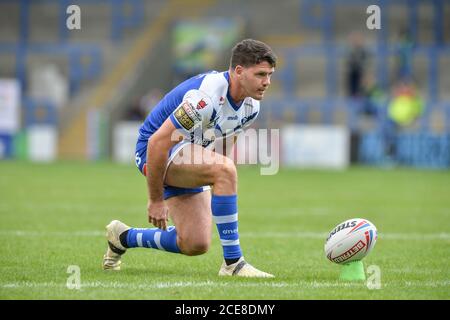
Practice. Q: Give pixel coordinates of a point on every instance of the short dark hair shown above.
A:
(249, 52)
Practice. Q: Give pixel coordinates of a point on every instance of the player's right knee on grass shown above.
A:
(191, 246)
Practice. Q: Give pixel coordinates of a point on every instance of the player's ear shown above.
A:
(238, 70)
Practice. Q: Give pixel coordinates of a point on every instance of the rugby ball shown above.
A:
(350, 240)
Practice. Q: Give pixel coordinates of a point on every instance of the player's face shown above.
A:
(255, 80)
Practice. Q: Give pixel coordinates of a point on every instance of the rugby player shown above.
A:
(189, 178)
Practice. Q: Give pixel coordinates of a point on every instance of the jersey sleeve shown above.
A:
(194, 111)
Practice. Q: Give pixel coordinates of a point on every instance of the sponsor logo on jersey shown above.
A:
(184, 119)
(232, 117)
(190, 110)
(201, 104)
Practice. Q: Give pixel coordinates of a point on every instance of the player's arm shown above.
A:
(228, 146)
(195, 110)
(158, 148)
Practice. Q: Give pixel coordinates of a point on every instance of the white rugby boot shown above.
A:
(111, 259)
(242, 269)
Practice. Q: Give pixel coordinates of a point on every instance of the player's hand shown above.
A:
(158, 214)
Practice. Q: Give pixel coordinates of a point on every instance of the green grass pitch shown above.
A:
(53, 216)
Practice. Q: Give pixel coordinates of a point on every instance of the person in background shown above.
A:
(405, 107)
(356, 64)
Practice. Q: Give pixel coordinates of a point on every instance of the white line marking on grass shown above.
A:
(262, 234)
(25, 233)
(157, 285)
(214, 284)
(415, 271)
(433, 284)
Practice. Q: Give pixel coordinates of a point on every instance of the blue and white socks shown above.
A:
(153, 238)
(225, 214)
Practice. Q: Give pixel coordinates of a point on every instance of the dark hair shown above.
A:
(249, 52)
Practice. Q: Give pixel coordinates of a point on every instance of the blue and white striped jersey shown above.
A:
(199, 105)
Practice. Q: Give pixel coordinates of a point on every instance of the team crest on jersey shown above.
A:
(201, 104)
(184, 119)
(221, 101)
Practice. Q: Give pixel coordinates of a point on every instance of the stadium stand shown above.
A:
(125, 49)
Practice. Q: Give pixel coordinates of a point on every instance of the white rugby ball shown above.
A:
(350, 240)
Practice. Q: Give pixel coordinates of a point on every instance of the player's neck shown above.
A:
(236, 91)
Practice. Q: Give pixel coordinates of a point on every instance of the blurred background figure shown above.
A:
(48, 82)
(406, 105)
(404, 109)
(374, 96)
(140, 106)
(404, 55)
(356, 65)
